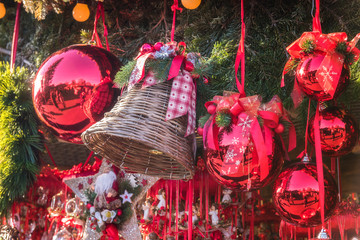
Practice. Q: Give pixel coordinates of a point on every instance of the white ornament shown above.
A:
(126, 197)
(108, 216)
(214, 216)
(133, 181)
(146, 208)
(226, 198)
(162, 200)
(98, 217)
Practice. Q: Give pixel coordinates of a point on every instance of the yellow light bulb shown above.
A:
(81, 12)
(191, 4)
(2, 10)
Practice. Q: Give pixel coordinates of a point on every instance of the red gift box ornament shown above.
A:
(323, 62)
(244, 155)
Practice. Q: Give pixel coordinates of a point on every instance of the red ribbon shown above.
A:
(110, 232)
(329, 71)
(190, 223)
(316, 18)
(183, 85)
(244, 113)
(240, 56)
(177, 208)
(100, 13)
(319, 164)
(15, 37)
(175, 7)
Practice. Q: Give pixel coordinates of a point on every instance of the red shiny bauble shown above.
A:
(339, 131)
(296, 195)
(308, 83)
(245, 173)
(73, 88)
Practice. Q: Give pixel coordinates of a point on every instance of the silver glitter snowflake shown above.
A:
(235, 141)
(230, 155)
(245, 123)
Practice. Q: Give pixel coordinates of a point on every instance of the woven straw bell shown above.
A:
(135, 136)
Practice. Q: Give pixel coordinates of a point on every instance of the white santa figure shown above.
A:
(106, 188)
(214, 215)
(226, 198)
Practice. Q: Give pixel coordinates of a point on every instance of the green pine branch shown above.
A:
(20, 142)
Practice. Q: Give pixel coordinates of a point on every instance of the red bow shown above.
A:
(330, 69)
(244, 114)
(183, 86)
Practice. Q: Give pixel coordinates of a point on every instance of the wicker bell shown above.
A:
(135, 136)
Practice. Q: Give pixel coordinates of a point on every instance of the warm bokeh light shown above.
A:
(81, 12)
(191, 4)
(2, 10)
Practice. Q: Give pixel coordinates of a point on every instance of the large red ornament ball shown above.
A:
(308, 82)
(296, 195)
(238, 167)
(73, 89)
(339, 131)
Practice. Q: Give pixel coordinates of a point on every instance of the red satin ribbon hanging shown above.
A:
(175, 7)
(319, 164)
(95, 36)
(15, 37)
(316, 18)
(240, 56)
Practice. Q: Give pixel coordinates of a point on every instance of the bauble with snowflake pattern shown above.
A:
(308, 82)
(237, 166)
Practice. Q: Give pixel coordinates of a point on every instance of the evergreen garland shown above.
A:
(20, 142)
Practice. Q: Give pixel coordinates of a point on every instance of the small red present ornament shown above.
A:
(322, 61)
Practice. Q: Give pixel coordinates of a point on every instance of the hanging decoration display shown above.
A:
(242, 154)
(339, 131)
(160, 99)
(201, 209)
(81, 12)
(110, 196)
(73, 89)
(296, 194)
(29, 215)
(322, 73)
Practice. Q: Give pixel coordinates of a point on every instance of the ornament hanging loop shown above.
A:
(95, 36)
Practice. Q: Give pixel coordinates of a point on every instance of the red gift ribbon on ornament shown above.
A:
(329, 71)
(244, 112)
(177, 106)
